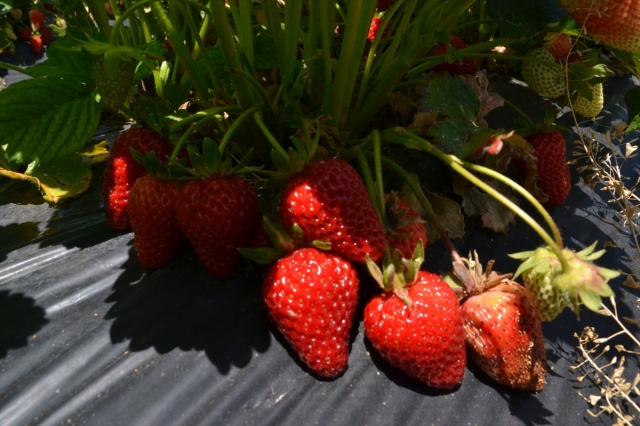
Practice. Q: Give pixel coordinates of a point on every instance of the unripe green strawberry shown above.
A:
(590, 108)
(113, 90)
(543, 79)
(549, 300)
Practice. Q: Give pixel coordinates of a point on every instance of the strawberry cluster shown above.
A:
(327, 226)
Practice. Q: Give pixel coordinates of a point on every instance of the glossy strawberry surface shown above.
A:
(425, 341)
(218, 215)
(468, 65)
(122, 171)
(329, 201)
(311, 295)
(503, 333)
(152, 212)
(554, 177)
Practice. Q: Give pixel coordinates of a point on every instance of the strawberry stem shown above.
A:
(378, 171)
(200, 114)
(274, 143)
(459, 167)
(424, 202)
(188, 133)
(520, 112)
(237, 122)
(368, 181)
(522, 191)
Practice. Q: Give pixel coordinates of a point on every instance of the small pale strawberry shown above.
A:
(311, 295)
(543, 79)
(113, 89)
(593, 107)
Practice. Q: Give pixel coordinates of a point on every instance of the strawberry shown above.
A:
(25, 34)
(217, 215)
(46, 34)
(152, 209)
(37, 19)
(503, 333)
(590, 108)
(541, 78)
(329, 201)
(16, 14)
(468, 65)
(373, 28)
(114, 89)
(554, 177)
(404, 228)
(502, 328)
(311, 295)
(559, 45)
(36, 44)
(122, 171)
(425, 339)
(614, 22)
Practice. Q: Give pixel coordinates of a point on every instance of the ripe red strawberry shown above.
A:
(312, 295)
(152, 211)
(37, 19)
(503, 333)
(46, 34)
(468, 65)
(36, 44)
(405, 227)
(554, 177)
(329, 201)
(25, 34)
(614, 22)
(560, 46)
(218, 215)
(122, 171)
(426, 340)
(373, 28)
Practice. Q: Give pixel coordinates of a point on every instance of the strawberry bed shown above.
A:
(97, 327)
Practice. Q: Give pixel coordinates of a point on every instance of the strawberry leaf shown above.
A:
(29, 136)
(64, 64)
(632, 99)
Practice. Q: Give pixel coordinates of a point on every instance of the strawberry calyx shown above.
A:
(397, 273)
(282, 243)
(581, 282)
(468, 278)
(167, 172)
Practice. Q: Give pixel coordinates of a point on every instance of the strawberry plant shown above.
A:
(282, 107)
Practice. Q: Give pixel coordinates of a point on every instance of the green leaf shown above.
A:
(453, 135)
(216, 57)
(264, 47)
(43, 119)
(517, 19)
(64, 64)
(632, 99)
(450, 96)
(5, 6)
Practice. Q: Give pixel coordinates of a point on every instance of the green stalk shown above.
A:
(96, 8)
(256, 85)
(123, 31)
(237, 123)
(378, 170)
(134, 26)
(424, 202)
(180, 49)
(327, 20)
(225, 37)
(459, 167)
(274, 143)
(272, 11)
(357, 27)
(190, 130)
(368, 181)
(292, 17)
(229, 109)
(16, 68)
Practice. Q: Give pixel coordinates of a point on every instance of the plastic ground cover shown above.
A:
(87, 336)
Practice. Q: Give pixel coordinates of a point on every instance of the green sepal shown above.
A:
(212, 155)
(322, 245)
(262, 255)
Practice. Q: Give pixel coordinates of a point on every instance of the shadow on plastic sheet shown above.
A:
(77, 222)
(182, 307)
(20, 318)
